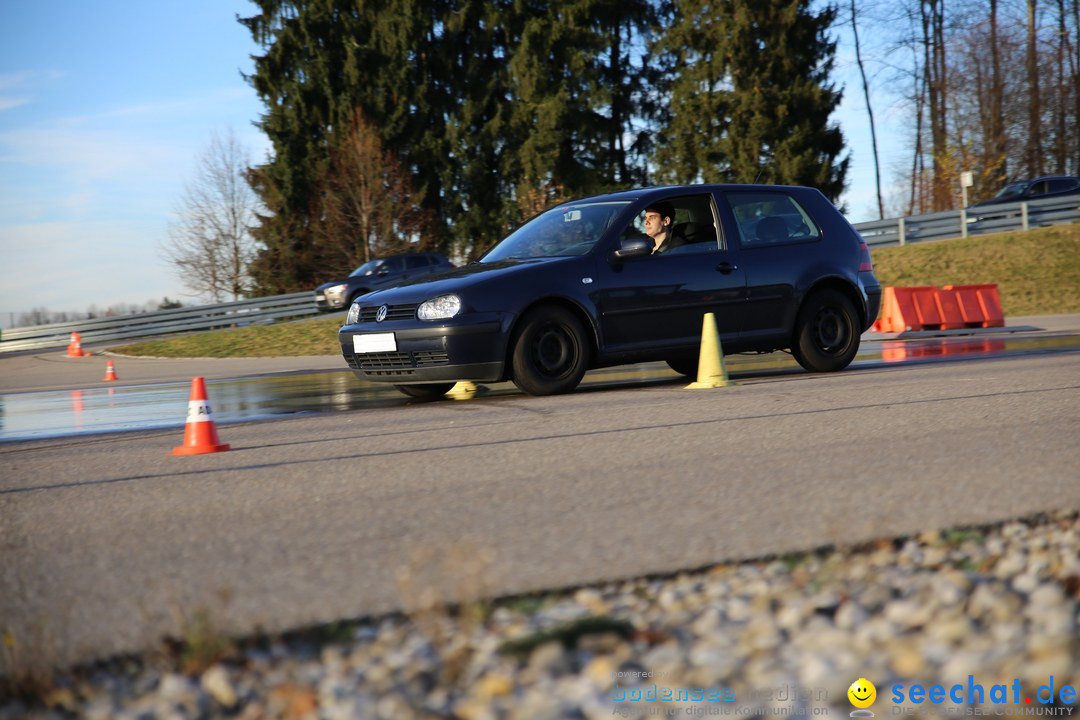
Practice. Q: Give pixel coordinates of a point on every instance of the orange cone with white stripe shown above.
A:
(200, 434)
(110, 372)
(74, 348)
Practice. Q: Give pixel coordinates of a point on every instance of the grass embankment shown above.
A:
(1037, 273)
(316, 336)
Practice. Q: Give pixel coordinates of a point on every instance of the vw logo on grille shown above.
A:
(380, 314)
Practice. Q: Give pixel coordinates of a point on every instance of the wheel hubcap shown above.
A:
(832, 331)
(554, 351)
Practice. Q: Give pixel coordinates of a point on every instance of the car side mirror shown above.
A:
(382, 271)
(633, 247)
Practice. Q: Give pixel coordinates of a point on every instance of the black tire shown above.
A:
(684, 365)
(433, 391)
(549, 351)
(826, 332)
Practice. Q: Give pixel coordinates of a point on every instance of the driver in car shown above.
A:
(659, 222)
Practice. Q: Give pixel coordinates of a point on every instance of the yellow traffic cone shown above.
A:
(464, 390)
(711, 372)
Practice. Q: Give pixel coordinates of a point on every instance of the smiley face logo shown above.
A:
(862, 693)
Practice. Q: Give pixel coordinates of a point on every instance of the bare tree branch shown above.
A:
(210, 246)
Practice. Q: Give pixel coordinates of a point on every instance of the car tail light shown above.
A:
(865, 263)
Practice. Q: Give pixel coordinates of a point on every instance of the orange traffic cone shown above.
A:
(110, 372)
(200, 435)
(74, 348)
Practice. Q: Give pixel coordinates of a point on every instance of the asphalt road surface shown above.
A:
(107, 543)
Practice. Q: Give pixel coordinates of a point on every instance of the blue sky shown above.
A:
(105, 107)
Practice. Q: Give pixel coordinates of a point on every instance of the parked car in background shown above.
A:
(577, 288)
(1051, 186)
(377, 274)
(1040, 187)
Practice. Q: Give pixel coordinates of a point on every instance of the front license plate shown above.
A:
(374, 342)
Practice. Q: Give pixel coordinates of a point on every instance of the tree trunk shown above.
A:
(1061, 146)
(1034, 144)
(870, 112)
(1076, 86)
(998, 169)
(933, 25)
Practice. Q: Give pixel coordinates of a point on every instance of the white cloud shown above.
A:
(83, 154)
(68, 266)
(18, 81)
(7, 103)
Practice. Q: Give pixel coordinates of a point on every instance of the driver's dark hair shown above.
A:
(663, 207)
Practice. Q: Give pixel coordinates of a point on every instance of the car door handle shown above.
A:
(726, 267)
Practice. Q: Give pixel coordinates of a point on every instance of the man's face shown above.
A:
(654, 224)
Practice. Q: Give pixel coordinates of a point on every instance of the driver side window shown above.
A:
(693, 227)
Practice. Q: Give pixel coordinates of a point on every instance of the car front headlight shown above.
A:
(336, 289)
(354, 314)
(440, 308)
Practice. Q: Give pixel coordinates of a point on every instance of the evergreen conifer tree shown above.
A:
(751, 97)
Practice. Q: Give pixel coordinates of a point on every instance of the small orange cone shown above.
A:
(200, 435)
(110, 372)
(74, 348)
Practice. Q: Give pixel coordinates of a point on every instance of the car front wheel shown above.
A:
(549, 352)
(826, 333)
(685, 365)
(426, 392)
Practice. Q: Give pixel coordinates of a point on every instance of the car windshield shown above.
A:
(1016, 188)
(368, 268)
(571, 229)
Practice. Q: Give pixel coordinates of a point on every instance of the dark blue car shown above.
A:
(375, 274)
(578, 287)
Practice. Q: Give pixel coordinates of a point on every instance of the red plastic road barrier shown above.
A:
(979, 304)
(949, 308)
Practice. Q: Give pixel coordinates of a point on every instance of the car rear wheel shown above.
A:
(826, 333)
(549, 352)
(426, 392)
(687, 365)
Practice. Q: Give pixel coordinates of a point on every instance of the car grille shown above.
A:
(393, 312)
(391, 363)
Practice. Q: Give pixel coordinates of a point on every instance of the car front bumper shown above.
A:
(469, 348)
(330, 299)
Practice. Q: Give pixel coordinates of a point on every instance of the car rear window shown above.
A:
(766, 218)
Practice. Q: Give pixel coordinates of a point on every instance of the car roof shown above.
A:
(1046, 177)
(638, 193)
(408, 254)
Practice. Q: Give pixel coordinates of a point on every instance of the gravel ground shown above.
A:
(991, 606)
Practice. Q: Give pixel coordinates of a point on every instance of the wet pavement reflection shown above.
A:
(33, 415)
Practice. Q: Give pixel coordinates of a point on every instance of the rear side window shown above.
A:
(1063, 184)
(1040, 188)
(766, 218)
(416, 262)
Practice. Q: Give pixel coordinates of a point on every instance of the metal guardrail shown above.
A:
(971, 221)
(162, 322)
